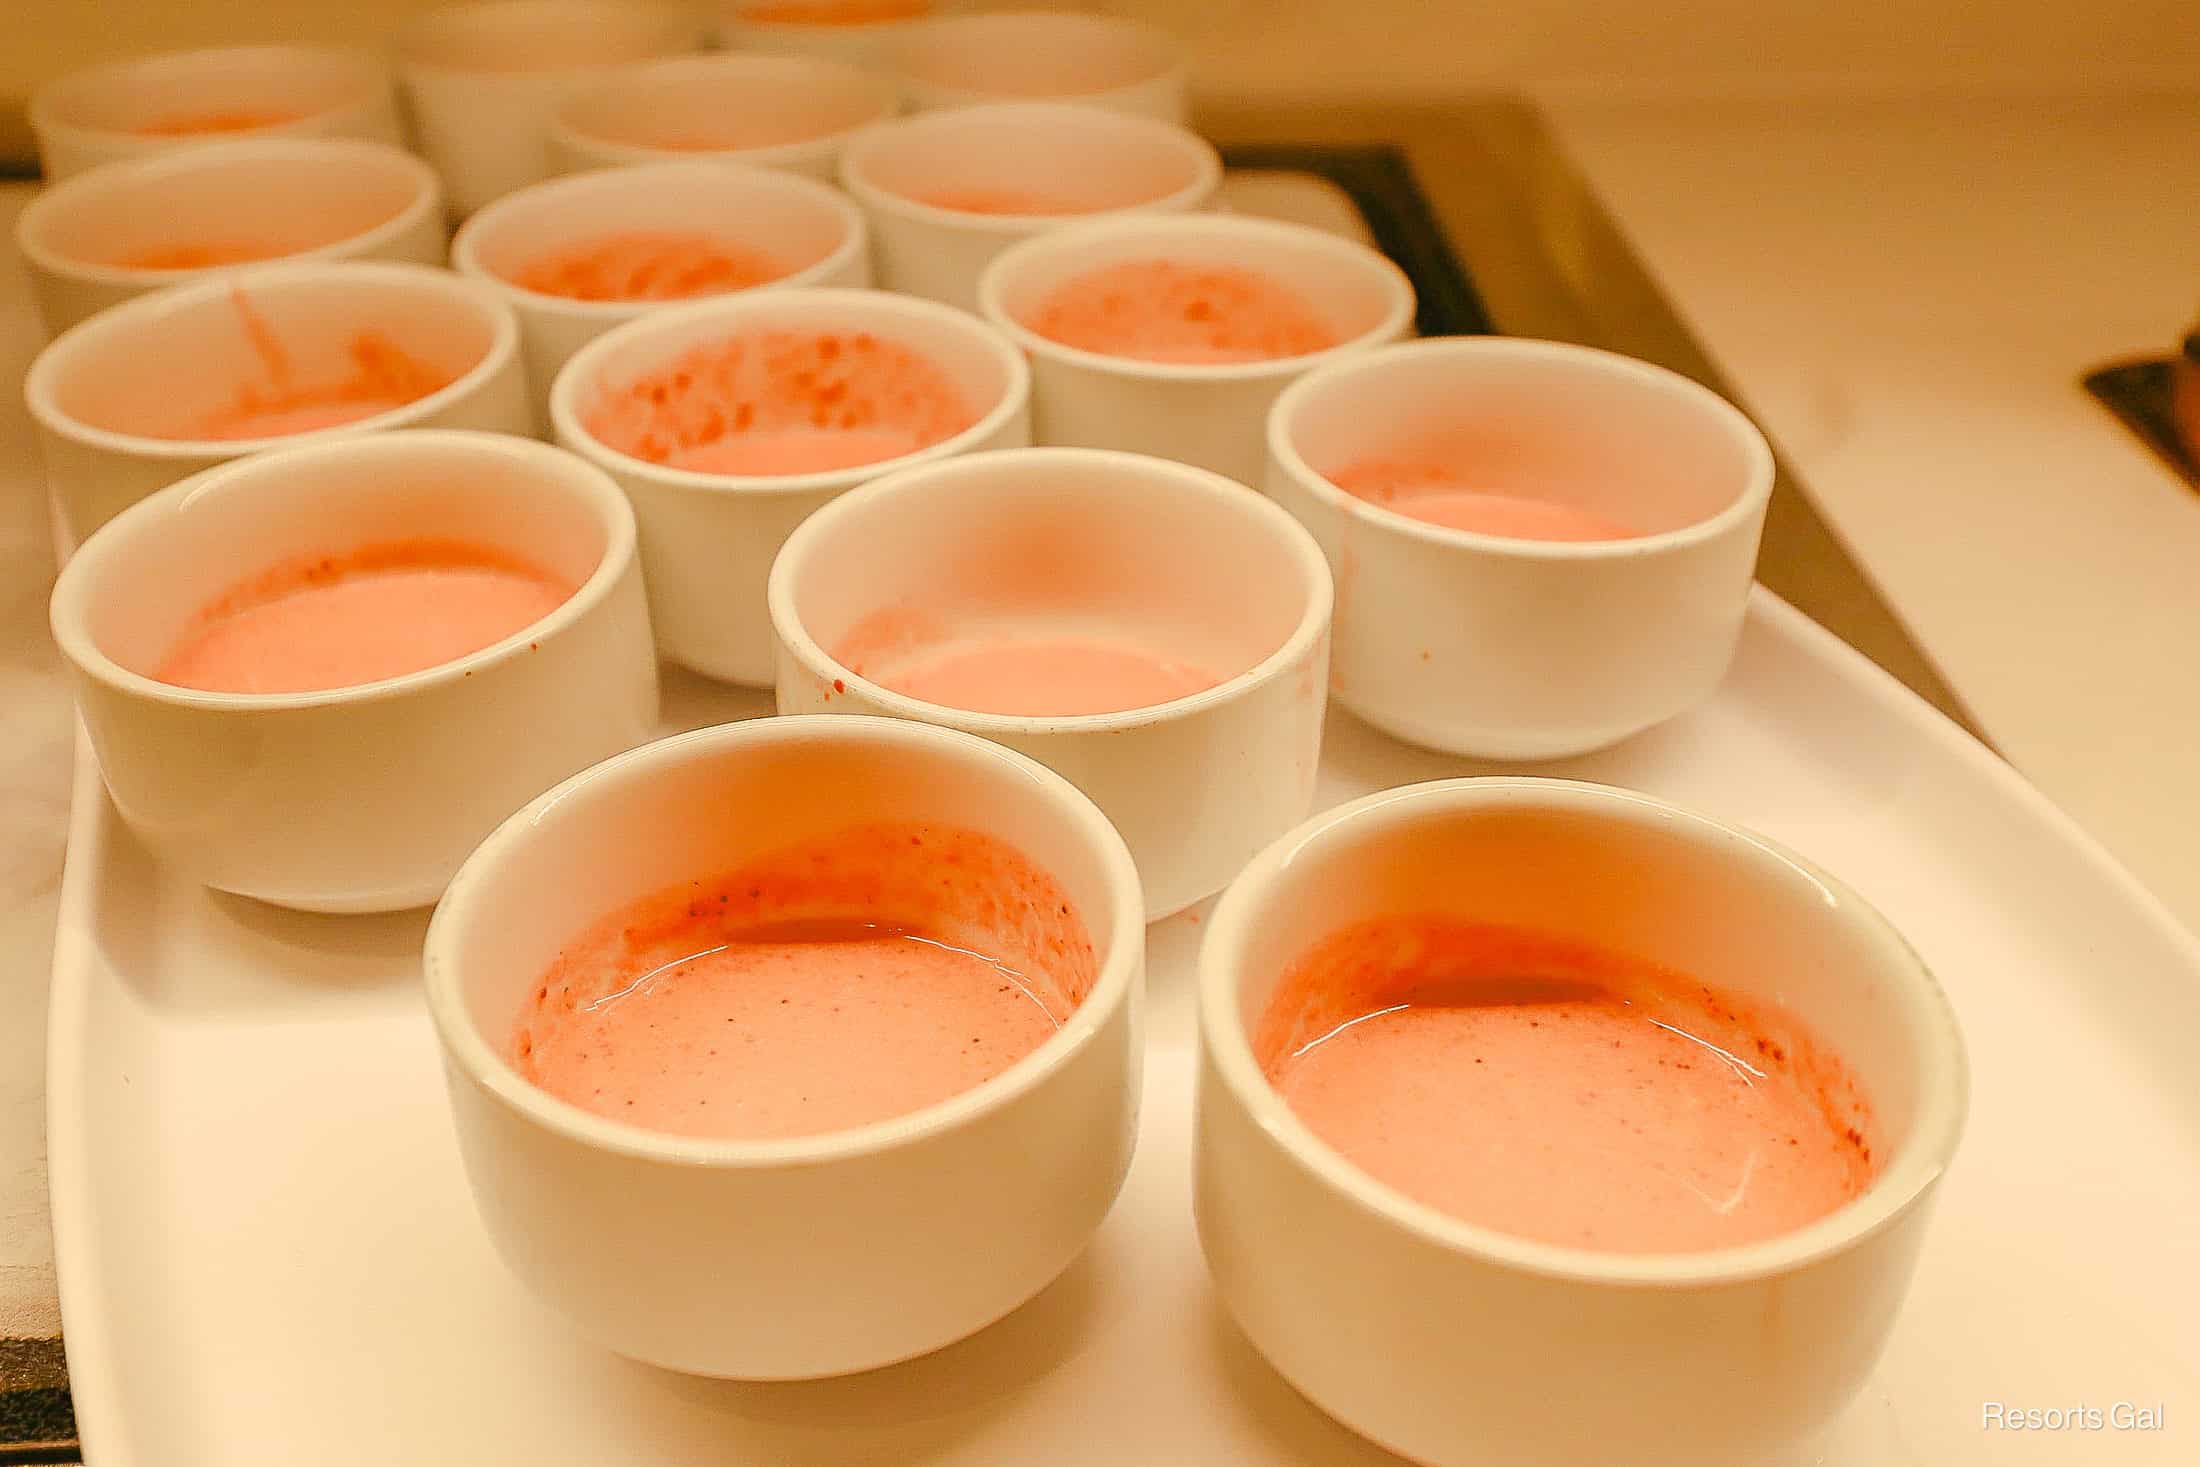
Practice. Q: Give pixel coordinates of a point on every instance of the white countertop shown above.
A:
(35, 727)
(1906, 293)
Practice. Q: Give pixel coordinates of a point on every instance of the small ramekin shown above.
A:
(1528, 649)
(189, 346)
(1024, 55)
(928, 250)
(1210, 414)
(485, 77)
(1457, 1344)
(708, 539)
(1196, 785)
(98, 115)
(781, 214)
(811, 1256)
(343, 198)
(641, 114)
(364, 798)
(822, 28)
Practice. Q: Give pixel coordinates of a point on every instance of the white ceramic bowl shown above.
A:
(1210, 414)
(1088, 543)
(1456, 1344)
(1123, 164)
(101, 390)
(837, 30)
(1022, 55)
(790, 112)
(708, 539)
(793, 219)
(100, 115)
(810, 1256)
(290, 198)
(485, 77)
(364, 798)
(1528, 649)
(166, 357)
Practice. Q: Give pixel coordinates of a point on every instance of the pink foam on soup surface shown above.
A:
(986, 667)
(644, 266)
(841, 981)
(1562, 1093)
(782, 402)
(1170, 311)
(1506, 502)
(379, 611)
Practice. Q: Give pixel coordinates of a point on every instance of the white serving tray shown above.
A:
(268, 1254)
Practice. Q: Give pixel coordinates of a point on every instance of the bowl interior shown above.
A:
(1353, 289)
(1074, 159)
(158, 369)
(1025, 546)
(1034, 54)
(150, 572)
(969, 356)
(516, 36)
(1630, 877)
(730, 103)
(1623, 441)
(794, 225)
(254, 206)
(695, 810)
(218, 91)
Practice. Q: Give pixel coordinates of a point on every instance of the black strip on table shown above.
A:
(2142, 395)
(1381, 185)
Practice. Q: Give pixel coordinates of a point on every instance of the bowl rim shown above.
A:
(1164, 46)
(730, 66)
(123, 174)
(729, 310)
(1909, 1174)
(668, 173)
(1114, 986)
(1205, 158)
(1312, 627)
(1760, 466)
(671, 25)
(501, 354)
(70, 608)
(369, 77)
(1395, 321)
